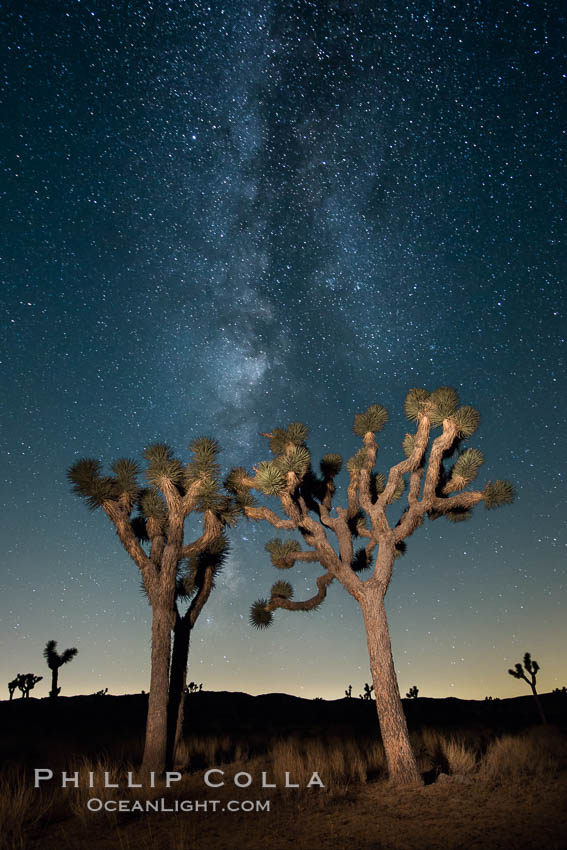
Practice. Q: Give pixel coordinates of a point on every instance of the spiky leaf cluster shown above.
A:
(233, 481)
(269, 478)
(531, 666)
(244, 499)
(283, 589)
(360, 561)
(295, 433)
(372, 420)
(203, 465)
(209, 498)
(212, 558)
(415, 404)
(162, 464)
(467, 420)
(260, 618)
(151, 505)
(518, 673)
(398, 491)
(83, 474)
(408, 444)
(443, 403)
(467, 466)
(497, 494)
(377, 485)
(102, 490)
(330, 465)
(125, 472)
(458, 514)
(296, 460)
(356, 462)
(281, 552)
(400, 549)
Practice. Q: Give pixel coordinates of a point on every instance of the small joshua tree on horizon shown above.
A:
(306, 500)
(348, 692)
(25, 682)
(55, 661)
(172, 569)
(531, 667)
(368, 688)
(413, 692)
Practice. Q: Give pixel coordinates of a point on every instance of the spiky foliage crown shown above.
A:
(297, 460)
(415, 404)
(283, 589)
(281, 552)
(213, 558)
(467, 466)
(443, 403)
(356, 462)
(372, 420)
(458, 514)
(408, 444)
(467, 420)
(125, 471)
(296, 433)
(203, 464)
(330, 465)
(398, 491)
(151, 505)
(260, 618)
(162, 464)
(53, 658)
(233, 481)
(498, 493)
(209, 498)
(269, 478)
(90, 485)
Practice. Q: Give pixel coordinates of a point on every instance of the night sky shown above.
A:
(223, 217)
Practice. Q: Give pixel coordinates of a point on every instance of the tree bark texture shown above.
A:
(156, 724)
(402, 767)
(177, 682)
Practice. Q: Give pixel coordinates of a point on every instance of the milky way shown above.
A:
(225, 217)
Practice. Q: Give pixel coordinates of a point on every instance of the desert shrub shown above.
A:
(460, 758)
(540, 752)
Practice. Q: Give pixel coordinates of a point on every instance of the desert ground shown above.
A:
(494, 777)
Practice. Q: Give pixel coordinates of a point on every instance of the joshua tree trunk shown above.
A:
(54, 689)
(402, 767)
(539, 705)
(156, 723)
(177, 682)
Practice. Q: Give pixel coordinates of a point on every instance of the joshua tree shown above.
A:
(175, 491)
(307, 503)
(368, 688)
(348, 692)
(193, 688)
(25, 682)
(13, 685)
(413, 692)
(54, 662)
(532, 668)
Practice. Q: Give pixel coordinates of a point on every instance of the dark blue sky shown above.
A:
(223, 217)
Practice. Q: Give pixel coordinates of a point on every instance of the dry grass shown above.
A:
(21, 807)
(352, 809)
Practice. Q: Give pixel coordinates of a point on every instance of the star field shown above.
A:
(219, 218)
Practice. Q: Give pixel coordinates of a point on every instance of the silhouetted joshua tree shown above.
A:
(413, 692)
(25, 682)
(55, 661)
(348, 692)
(532, 668)
(13, 685)
(368, 688)
(171, 568)
(307, 503)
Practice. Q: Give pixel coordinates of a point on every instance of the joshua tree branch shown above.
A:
(258, 513)
(308, 604)
(120, 518)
